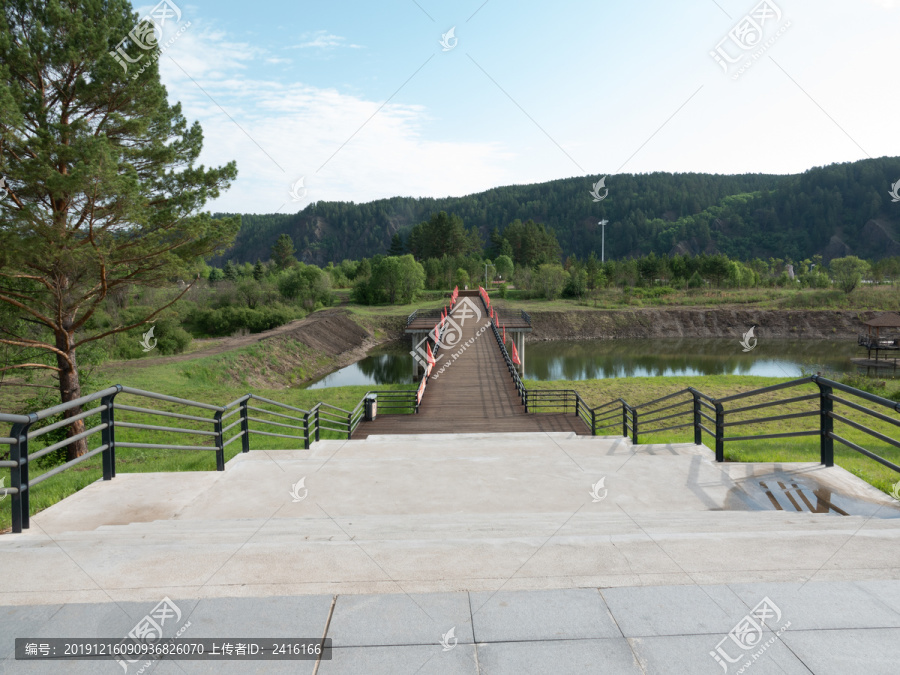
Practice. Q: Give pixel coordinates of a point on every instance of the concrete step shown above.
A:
(450, 512)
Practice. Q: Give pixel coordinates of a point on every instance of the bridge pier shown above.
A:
(521, 348)
(415, 337)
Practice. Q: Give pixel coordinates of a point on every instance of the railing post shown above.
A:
(634, 426)
(18, 453)
(720, 433)
(245, 427)
(698, 432)
(108, 435)
(826, 425)
(317, 423)
(306, 431)
(525, 398)
(593, 422)
(350, 424)
(220, 442)
(624, 420)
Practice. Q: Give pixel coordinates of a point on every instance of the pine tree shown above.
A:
(105, 192)
(283, 252)
(230, 271)
(397, 248)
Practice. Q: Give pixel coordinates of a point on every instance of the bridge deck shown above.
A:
(475, 394)
(512, 319)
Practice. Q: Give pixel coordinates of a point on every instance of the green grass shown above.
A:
(875, 298)
(637, 391)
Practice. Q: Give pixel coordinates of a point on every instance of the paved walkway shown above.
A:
(513, 541)
(833, 628)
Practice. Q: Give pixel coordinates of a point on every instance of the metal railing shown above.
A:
(690, 408)
(429, 314)
(441, 330)
(510, 366)
(206, 427)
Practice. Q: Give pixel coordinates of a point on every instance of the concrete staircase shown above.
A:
(475, 512)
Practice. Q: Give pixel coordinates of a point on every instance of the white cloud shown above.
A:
(322, 39)
(278, 131)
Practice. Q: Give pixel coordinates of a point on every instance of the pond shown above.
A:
(595, 359)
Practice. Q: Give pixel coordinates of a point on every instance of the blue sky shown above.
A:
(361, 100)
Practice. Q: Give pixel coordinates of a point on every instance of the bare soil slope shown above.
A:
(696, 323)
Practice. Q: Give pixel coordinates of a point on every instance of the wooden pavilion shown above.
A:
(883, 334)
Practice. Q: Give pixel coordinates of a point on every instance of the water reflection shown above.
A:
(390, 364)
(597, 359)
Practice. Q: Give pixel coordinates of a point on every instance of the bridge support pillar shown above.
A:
(521, 347)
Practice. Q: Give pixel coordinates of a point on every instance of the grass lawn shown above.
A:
(865, 298)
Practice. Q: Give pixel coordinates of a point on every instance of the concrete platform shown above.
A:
(512, 535)
(825, 628)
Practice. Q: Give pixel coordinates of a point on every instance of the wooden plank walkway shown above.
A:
(475, 394)
(512, 319)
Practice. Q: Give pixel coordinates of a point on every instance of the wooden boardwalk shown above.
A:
(475, 394)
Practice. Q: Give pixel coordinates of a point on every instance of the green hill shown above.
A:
(836, 210)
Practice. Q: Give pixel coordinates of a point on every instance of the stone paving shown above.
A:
(818, 627)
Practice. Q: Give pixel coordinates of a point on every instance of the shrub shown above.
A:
(227, 320)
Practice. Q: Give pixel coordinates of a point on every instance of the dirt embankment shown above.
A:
(696, 323)
(291, 354)
(304, 350)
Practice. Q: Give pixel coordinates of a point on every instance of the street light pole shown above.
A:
(603, 224)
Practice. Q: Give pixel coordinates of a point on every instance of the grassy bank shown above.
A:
(865, 298)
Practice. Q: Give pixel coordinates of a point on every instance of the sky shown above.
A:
(357, 101)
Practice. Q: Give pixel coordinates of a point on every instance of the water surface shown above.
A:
(597, 359)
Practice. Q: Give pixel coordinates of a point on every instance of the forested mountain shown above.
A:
(833, 211)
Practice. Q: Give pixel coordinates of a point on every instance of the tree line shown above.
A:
(833, 211)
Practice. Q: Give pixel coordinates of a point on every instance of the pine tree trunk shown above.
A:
(69, 390)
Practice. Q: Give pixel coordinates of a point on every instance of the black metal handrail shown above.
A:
(269, 418)
(635, 419)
